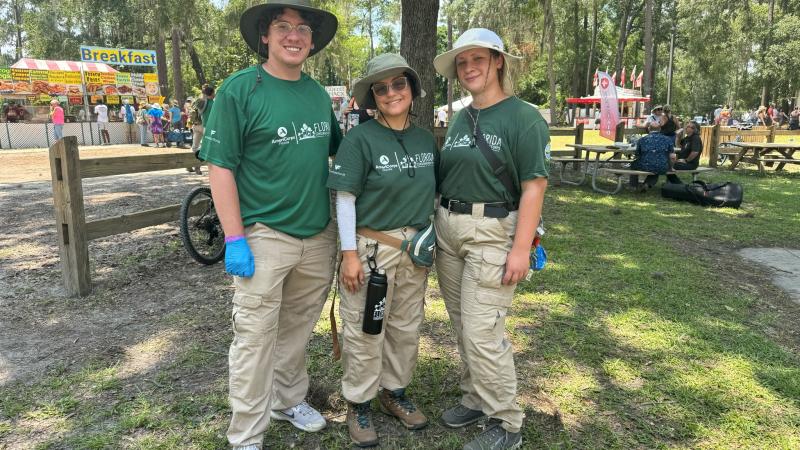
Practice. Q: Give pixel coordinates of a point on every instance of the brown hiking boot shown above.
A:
(359, 424)
(395, 403)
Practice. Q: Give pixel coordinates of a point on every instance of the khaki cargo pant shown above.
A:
(388, 359)
(470, 262)
(274, 313)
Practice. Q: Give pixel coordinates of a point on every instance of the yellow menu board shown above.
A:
(112, 99)
(5, 73)
(123, 78)
(108, 78)
(94, 77)
(57, 76)
(72, 77)
(150, 78)
(40, 75)
(20, 74)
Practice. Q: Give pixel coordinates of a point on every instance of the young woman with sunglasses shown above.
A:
(384, 178)
(485, 229)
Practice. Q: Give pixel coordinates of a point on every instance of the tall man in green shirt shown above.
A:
(267, 142)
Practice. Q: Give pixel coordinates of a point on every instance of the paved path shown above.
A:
(784, 263)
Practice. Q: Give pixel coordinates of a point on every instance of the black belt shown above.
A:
(496, 210)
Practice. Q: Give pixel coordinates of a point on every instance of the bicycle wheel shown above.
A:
(201, 230)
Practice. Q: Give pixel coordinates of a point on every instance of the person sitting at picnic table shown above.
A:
(653, 154)
(688, 157)
(655, 116)
(794, 119)
(669, 123)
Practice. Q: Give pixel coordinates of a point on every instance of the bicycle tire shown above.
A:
(201, 233)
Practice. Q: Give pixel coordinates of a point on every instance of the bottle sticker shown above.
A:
(377, 314)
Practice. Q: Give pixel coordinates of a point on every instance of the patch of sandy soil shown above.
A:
(138, 277)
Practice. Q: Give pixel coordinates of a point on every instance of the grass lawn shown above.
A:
(645, 331)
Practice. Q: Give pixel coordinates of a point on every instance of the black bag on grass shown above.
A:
(716, 194)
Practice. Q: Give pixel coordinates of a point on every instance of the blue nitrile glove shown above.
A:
(538, 258)
(238, 257)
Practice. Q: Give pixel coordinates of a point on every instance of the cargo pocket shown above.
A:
(491, 290)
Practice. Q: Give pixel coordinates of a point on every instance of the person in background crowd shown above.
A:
(441, 116)
(775, 114)
(268, 183)
(764, 119)
(142, 120)
(485, 226)
(395, 203)
(101, 110)
(794, 119)
(669, 123)
(198, 115)
(128, 115)
(356, 115)
(725, 116)
(717, 113)
(176, 122)
(654, 153)
(57, 116)
(655, 116)
(156, 114)
(688, 157)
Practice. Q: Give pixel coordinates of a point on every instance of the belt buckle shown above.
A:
(450, 204)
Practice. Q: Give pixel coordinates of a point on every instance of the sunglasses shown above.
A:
(397, 85)
(284, 28)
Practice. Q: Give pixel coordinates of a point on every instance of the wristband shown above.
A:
(229, 239)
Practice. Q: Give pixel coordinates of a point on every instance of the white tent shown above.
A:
(458, 104)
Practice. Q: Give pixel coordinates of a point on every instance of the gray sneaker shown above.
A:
(495, 437)
(461, 416)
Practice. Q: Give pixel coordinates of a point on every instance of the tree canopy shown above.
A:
(743, 53)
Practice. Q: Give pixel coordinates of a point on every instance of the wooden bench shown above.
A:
(694, 172)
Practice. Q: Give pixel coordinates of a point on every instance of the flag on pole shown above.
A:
(614, 78)
(609, 106)
(622, 77)
(633, 76)
(639, 79)
(594, 81)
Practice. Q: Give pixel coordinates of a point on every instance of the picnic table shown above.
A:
(759, 153)
(614, 165)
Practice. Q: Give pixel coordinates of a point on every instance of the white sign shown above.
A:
(336, 91)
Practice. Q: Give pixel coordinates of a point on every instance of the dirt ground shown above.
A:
(58, 331)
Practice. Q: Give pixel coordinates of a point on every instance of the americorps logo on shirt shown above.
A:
(302, 132)
(210, 136)
(465, 140)
(393, 161)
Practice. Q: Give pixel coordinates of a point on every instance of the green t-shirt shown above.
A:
(372, 165)
(276, 136)
(518, 135)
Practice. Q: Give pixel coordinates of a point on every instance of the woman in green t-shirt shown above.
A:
(385, 183)
(485, 226)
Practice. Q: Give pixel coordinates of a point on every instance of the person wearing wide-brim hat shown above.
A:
(267, 141)
(385, 183)
(485, 226)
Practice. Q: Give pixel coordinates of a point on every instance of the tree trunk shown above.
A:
(550, 29)
(449, 82)
(418, 46)
(589, 71)
(195, 59)
(161, 63)
(623, 36)
(17, 6)
(371, 31)
(177, 73)
(647, 77)
(765, 49)
(576, 49)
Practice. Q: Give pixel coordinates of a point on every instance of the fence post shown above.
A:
(47, 134)
(619, 133)
(713, 151)
(771, 135)
(73, 247)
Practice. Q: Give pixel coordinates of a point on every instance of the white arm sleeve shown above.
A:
(346, 218)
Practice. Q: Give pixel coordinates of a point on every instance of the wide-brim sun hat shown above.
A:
(378, 68)
(656, 108)
(445, 63)
(323, 31)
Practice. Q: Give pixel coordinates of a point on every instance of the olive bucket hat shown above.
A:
(253, 24)
(378, 68)
(445, 63)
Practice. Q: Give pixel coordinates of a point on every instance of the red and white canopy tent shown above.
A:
(70, 66)
(631, 105)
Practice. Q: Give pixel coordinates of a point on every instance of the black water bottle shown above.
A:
(376, 302)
